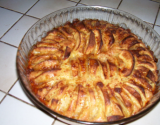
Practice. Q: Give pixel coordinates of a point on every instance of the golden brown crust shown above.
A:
(92, 70)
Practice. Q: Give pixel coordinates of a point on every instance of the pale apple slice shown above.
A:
(127, 64)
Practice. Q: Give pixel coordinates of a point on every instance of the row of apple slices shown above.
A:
(100, 103)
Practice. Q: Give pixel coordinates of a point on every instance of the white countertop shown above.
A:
(16, 17)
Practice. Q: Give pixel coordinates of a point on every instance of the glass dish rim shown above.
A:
(55, 114)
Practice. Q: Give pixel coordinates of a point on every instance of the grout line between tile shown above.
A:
(78, 2)
(9, 44)
(20, 99)
(32, 16)
(83, 4)
(12, 85)
(3, 98)
(148, 22)
(25, 101)
(54, 121)
(3, 91)
(72, 1)
(15, 96)
(28, 104)
(12, 26)
(156, 16)
(18, 19)
(31, 7)
(4, 95)
(11, 10)
(34, 106)
(157, 25)
(8, 91)
(119, 4)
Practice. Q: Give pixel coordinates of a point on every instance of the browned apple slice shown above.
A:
(62, 45)
(120, 33)
(93, 65)
(105, 93)
(145, 58)
(92, 24)
(149, 53)
(105, 70)
(115, 108)
(140, 90)
(104, 25)
(55, 35)
(45, 44)
(108, 40)
(68, 43)
(65, 31)
(135, 104)
(100, 103)
(46, 76)
(87, 23)
(82, 66)
(67, 52)
(140, 71)
(144, 82)
(127, 101)
(95, 24)
(75, 33)
(91, 43)
(45, 50)
(37, 59)
(73, 103)
(128, 42)
(150, 65)
(78, 40)
(48, 99)
(81, 27)
(42, 90)
(112, 108)
(112, 68)
(92, 95)
(123, 100)
(85, 113)
(34, 74)
(98, 41)
(127, 65)
(152, 75)
(55, 95)
(84, 36)
(133, 92)
(65, 98)
(143, 76)
(48, 41)
(80, 101)
(75, 67)
(46, 65)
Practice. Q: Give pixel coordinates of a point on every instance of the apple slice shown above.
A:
(127, 63)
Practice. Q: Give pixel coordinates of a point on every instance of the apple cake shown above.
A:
(92, 70)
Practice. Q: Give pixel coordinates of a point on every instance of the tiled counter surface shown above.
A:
(16, 17)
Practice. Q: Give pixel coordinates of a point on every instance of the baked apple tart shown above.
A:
(92, 70)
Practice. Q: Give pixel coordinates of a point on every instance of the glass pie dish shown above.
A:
(60, 17)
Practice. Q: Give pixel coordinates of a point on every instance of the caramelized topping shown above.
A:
(67, 52)
(92, 70)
